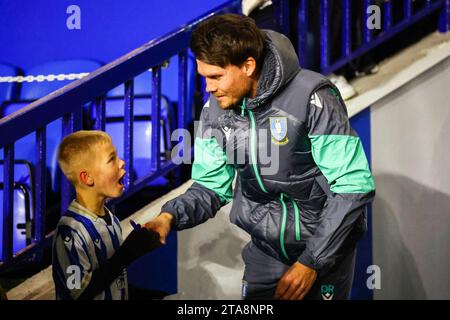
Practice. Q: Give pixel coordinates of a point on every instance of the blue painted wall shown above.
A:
(35, 31)
(361, 124)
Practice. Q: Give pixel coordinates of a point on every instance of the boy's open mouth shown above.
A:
(121, 180)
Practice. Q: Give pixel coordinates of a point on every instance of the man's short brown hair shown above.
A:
(78, 148)
(228, 39)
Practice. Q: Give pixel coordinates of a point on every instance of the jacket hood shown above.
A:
(279, 67)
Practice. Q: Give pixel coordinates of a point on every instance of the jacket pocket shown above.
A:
(265, 223)
(280, 227)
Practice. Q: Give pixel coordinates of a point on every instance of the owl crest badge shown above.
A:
(278, 129)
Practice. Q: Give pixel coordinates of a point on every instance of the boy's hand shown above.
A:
(161, 224)
(139, 242)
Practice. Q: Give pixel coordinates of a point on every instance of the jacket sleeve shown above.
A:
(212, 175)
(338, 153)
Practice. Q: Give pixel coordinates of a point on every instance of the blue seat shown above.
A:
(142, 100)
(142, 86)
(8, 90)
(25, 148)
(142, 131)
(114, 105)
(37, 90)
(23, 173)
(142, 111)
(22, 215)
(169, 84)
(142, 107)
(23, 202)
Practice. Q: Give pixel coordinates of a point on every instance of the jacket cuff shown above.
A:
(307, 260)
(173, 212)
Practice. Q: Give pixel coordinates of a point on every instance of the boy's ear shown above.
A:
(86, 178)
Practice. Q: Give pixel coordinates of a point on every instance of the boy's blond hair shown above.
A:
(76, 149)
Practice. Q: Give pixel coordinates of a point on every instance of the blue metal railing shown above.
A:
(67, 104)
(369, 40)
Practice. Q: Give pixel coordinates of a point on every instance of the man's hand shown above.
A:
(161, 224)
(296, 282)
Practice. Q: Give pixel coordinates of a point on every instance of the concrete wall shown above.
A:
(411, 165)
(209, 259)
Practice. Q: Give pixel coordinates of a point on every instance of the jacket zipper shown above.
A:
(283, 223)
(283, 227)
(297, 220)
(253, 148)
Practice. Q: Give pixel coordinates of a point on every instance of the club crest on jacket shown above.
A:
(278, 129)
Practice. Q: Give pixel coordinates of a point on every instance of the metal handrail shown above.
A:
(67, 103)
(369, 41)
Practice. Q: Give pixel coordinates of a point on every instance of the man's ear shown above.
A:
(85, 178)
(249, 67)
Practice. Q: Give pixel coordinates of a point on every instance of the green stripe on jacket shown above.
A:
(210, 168)
(342, 160)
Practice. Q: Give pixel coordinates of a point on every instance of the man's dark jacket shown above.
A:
(303, 180)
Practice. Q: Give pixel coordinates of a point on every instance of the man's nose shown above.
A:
(121, 164)
(210, 87)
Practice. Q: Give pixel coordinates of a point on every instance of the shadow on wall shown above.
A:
(411, 239)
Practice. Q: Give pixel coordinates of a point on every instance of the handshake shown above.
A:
(161, 225)
(139, 242)
(147, 238)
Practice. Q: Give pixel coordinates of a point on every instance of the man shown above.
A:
(305, 217)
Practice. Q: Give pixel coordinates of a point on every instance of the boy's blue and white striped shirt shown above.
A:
(83, 242)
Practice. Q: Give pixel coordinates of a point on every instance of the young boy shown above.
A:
(89, 256)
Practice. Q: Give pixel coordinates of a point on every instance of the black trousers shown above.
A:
(262, 273)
